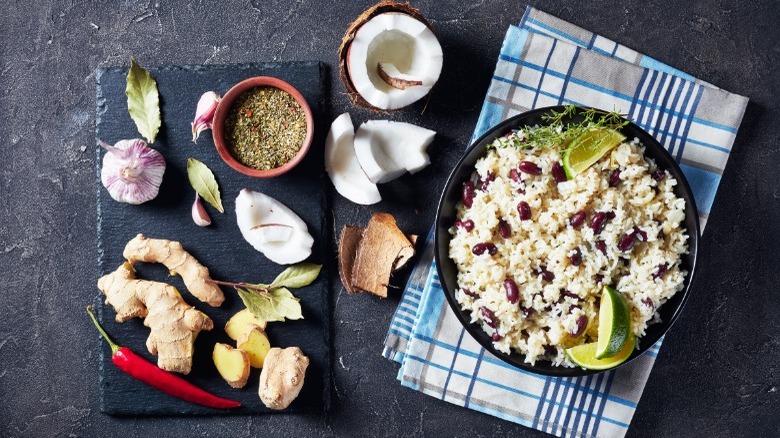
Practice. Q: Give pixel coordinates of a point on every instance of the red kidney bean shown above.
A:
(470, 293)
(582, 324)
(611, 215)
(576, 258)
(599, 278)
(546, 275)
(614, 178)
(496, 337)
(512, 292)
(488, 316)
(486, 182)
(559, 173)
(658, 175)
(662, 270)
(527, 311)
(627, 242)
(529, 167)
(468, 193)
(467, 224)
(525, 210)
(514, 175)
(550, 350)
(601, 246)
(640, 234)
(509, 134)
(483, 247)
(504, 229)
(566, 293)
(597, 222)
(521, 190)
(577, 219)
(648, 302)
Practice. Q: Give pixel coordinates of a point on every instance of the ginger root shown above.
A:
(232, 364)
(241, 323)
(256, 344)
(174, 324)
(178, 261)
(282, 377)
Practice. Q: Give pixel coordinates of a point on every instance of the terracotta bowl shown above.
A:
(218, 131)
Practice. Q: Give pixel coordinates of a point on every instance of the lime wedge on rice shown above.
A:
(589, 147)
(614, 323)
(585, 355)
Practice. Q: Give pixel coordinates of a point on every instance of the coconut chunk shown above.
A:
(387, 149)
(342, 164)
(381, 248)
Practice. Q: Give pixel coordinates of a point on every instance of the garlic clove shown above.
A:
(254, 209)
(268, 233)
(342, 164)
(387, 149)
(132, 171)
(199, 214)
(204, 113)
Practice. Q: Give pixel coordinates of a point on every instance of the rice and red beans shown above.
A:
(534, 250)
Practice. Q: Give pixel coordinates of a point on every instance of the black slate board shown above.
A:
(220, 247)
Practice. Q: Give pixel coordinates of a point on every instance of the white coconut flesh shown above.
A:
(387, 149)
(272, 228)
(342, 164)
(406, 47)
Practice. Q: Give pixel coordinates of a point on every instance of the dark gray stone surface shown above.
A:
(717, 374)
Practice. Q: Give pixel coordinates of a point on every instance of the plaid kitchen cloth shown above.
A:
(547, 61)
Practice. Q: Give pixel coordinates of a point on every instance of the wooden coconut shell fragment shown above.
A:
(368, 256)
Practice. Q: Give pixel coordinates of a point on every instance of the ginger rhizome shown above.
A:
(173, 323)
(282, 377)
(178, 261)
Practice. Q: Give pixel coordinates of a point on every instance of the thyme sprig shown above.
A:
(556, 133)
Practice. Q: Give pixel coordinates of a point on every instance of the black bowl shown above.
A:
(445, 218)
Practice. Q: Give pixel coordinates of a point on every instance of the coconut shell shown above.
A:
(384, 6)
(382, 249)
(348, 245)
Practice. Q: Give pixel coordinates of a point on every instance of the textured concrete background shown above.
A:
(717, 374)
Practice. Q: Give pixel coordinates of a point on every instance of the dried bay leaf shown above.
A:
(296, 276)
(274, 305)
(203, 181)
(143, 101)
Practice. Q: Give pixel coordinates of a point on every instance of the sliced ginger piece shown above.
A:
(256, 344)
(241, 322)
(232, 364)
(282, 377)
(178, 261)
(382, 249)
(174, 324)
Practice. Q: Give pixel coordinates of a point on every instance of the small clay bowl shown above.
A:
(218, 130)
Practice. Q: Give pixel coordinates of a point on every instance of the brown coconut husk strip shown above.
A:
(382, 7)
(348, 246)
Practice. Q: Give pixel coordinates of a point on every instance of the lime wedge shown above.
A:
(585, 356)
(614, 323)
(587, 148)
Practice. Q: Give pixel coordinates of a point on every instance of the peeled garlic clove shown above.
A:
(204, 114)
(199, 214)
(387, 150)
(254, 209)
(342, 164)
(132, 171)
(268, 233)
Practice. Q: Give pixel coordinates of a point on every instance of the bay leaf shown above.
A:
(296, 276)
(203, 181)
(260, 305)
(285, 303)
(143, 101)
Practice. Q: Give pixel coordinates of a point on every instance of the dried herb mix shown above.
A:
(265, 128)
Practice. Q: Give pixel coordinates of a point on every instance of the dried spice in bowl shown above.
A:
(265, 128)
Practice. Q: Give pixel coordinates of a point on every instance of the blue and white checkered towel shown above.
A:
(547, 61)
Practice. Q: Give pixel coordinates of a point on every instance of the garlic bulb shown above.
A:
(132, 171)
(204, 113)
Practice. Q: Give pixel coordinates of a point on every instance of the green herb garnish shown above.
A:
(558, 134)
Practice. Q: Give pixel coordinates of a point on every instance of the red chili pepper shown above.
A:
(141, 369)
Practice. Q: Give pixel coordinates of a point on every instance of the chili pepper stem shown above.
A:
(114, 346)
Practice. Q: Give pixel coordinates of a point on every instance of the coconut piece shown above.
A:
(273, 232)
(348, 245)
(342, 164)
(390, 74)
(381, 247)
(254, 209)
(394, 34)
(387, 149)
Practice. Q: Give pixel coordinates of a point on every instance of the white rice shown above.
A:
(547, 240)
